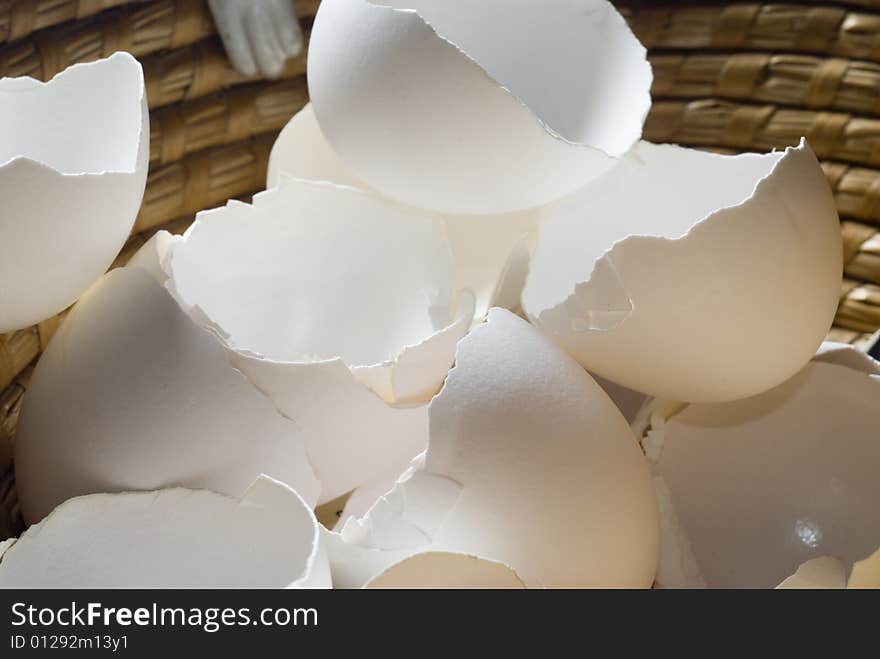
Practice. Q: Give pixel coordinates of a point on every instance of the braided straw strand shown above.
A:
(798, 28)
(224, 118)
(796, 80)
(712, 122)
(861, 251)
(198, 70)
(19, 18)
(859, 308)
(139, 28)
(204, 179)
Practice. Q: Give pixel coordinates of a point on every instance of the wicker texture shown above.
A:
(19, 18)
(204, 179)
(795, 80)
(223, 118)
(834, 135)
(798, 28)
(140, 28)
(198, 70)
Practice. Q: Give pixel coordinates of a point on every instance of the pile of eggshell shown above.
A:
(458, 234)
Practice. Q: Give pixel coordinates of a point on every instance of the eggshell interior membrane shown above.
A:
(491, 252)
(131, 395)
(817, 573)
(495, 107)
(173, 538)
(440, 570)
(761, 485)
(689, 275)
(286, 280)
(73, 165)
(314, 271)
(524, 445)
(352, 437)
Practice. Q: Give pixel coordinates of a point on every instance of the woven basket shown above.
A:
(728, 77)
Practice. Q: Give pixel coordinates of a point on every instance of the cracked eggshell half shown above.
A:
(131, 395)
(440, 570)
(491, 252)
(73, 165)
(689, 275)
(529, 464)
(477, 109)
(339, 305)
(172, 538)
(759, 486)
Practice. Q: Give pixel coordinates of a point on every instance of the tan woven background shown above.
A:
(731, 77)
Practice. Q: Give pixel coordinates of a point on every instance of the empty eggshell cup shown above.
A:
(494, 108)
(750, 490)
(689, 275)
(73, 166)
(341, 307)
(131, 394)
(529, 465)
(172, 538)
(491, 252)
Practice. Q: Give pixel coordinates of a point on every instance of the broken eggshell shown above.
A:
(172, 538)
(494, 108)
(690, 275)
(529, 464)
(340, 306)
(74, 154)
(438, 570)
(131, 395)
(491, 251)
(830, 573)
(751, 489)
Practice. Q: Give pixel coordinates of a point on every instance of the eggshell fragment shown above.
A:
(173, 538)
(689, 275)
(866, 573)
(439, 570)
(491, 251)
(74, 154)
(301, 151)
(761, 485)
(131, 395)
(494, 108)
(537, 470)
(331, 300)
(828, 572)
(818, 573)
(153, 254)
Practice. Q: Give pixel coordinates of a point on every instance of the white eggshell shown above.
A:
(866, 573)
(351, 435)
(761, 485)
(491, 251)
(153, 254)
(302, 151)
(438, 570)
(529, 464)
(74, 154)
(172, 538)
(689, 275)
(131, 395)
(477, 109)
(817, 573)
(336, 303)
